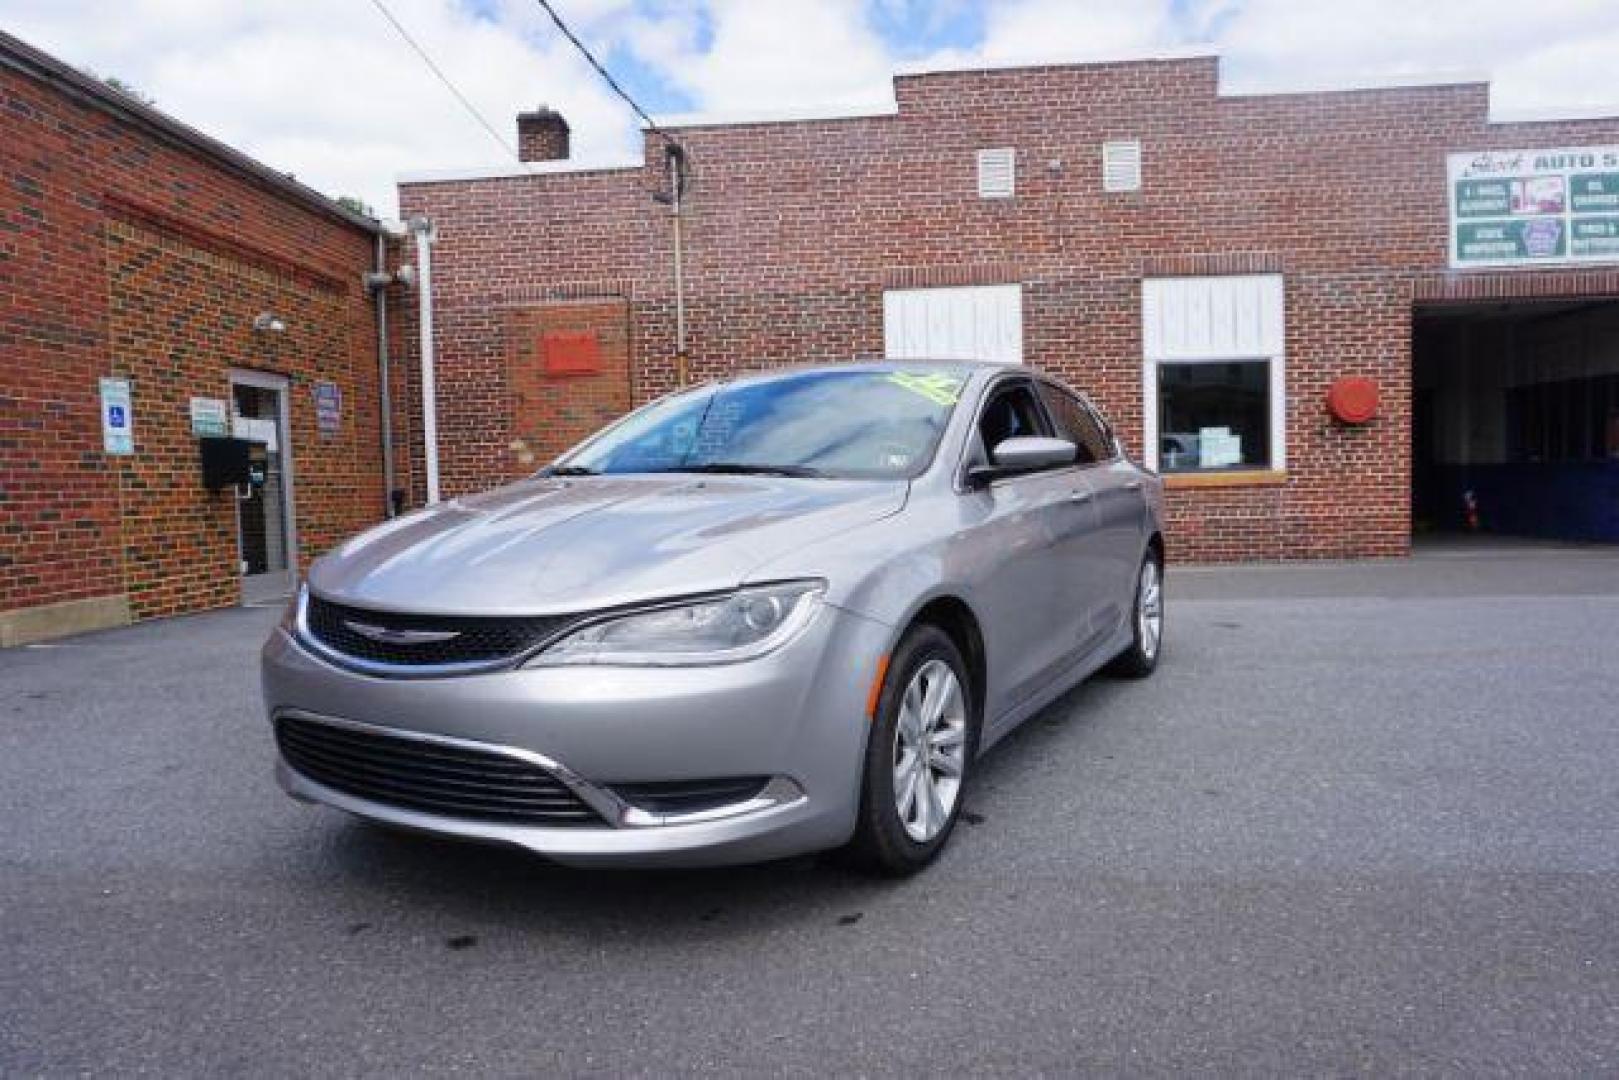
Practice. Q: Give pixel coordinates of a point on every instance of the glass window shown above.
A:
(1566, 421)
(1078, 424)
(1012, 412)
(863, 423)
(1214, 416)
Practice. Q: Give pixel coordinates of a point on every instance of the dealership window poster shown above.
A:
(1529, 207)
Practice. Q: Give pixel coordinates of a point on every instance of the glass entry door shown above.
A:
(263, 509)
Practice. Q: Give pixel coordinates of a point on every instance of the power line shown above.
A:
(445, 79)
(652, 125)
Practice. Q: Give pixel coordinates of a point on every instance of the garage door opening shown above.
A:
(1515, 420)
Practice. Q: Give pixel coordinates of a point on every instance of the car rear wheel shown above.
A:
(1147, 639)
(921, 747)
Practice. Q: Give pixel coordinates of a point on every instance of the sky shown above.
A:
(329, 91)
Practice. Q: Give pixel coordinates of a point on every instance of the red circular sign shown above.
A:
(1353, 400)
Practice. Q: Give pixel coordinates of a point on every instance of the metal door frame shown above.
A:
(282, 386)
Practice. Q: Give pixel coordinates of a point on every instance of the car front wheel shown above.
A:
(917, 758)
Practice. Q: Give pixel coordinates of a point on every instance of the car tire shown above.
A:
(900, 829)
(1140, 657)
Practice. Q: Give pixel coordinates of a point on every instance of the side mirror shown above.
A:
(1022, 455)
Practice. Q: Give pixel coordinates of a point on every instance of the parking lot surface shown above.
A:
(1364, 819)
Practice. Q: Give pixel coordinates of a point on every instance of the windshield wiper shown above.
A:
(571, 470)
(742, 468)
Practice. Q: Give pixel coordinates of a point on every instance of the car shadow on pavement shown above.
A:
(492, 886)
(482, 889)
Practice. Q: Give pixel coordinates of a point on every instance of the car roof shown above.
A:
(965, 368)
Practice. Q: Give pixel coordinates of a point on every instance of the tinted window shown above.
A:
(860, 423)
(1077, 424)
(1214, 416)
(1011, 413)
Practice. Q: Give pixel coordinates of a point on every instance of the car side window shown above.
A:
(1012, 412)
(1076, 423)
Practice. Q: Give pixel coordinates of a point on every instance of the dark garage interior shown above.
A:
(1515, 419)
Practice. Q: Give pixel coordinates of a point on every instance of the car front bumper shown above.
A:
(796, 715)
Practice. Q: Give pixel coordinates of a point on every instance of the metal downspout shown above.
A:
(423, 228)
(675, 157)
(386, 394)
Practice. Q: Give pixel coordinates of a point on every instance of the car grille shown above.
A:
(469, 639)
(428, 776)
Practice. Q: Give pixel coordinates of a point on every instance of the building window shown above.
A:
(1214, 378)
(1214, 416)
(1565, 421)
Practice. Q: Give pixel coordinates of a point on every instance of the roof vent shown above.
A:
(1121, 166)
(997, 172)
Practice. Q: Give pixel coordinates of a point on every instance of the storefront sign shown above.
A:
(328, 408)
(117, 417)
(210, 417)
(1526, 207)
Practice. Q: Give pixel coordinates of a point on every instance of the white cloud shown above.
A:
(1552, 52)
(326, 89)
(1074, 29)
(780, 54)
(329, 91)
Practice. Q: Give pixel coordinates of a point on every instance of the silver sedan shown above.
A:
(777, 614)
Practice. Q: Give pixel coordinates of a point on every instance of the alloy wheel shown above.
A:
(930, 750)
(1150, 609)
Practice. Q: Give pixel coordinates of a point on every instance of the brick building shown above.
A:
(1211, 267)
(157, 287)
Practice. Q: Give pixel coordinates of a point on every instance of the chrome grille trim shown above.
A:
(535, 633)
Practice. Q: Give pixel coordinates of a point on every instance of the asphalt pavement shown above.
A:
(1364, 820)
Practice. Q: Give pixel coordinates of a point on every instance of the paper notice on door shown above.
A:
(255, 430)
(1217, 448)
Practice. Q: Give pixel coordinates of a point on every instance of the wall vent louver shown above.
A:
(1121, 166)
(997, 172)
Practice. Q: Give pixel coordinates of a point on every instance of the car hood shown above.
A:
(549, 545)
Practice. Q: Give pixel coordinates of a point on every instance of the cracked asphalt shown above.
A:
(1364, 820)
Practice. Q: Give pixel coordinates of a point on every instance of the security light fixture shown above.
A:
(267, 323)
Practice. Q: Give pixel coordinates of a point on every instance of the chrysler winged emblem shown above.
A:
(390, 636)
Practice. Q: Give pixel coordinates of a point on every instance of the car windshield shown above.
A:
(862, 423)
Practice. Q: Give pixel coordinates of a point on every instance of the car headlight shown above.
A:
(721, 630)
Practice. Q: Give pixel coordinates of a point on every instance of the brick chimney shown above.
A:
(542, 135)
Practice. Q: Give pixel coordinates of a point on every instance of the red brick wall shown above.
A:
(795, 229)
(124, 253)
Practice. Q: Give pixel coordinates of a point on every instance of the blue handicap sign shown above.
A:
(115, 415)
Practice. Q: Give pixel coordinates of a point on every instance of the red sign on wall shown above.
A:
(571, 353)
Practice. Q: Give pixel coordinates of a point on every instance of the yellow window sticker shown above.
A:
(937, 386)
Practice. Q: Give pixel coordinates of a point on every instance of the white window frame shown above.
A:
(1215, 319)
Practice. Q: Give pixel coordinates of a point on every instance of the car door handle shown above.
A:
(1133, 485)
(1079, 496)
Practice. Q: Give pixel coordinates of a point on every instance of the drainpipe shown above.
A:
(378, 281)
(676, 159)
(425, 235)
